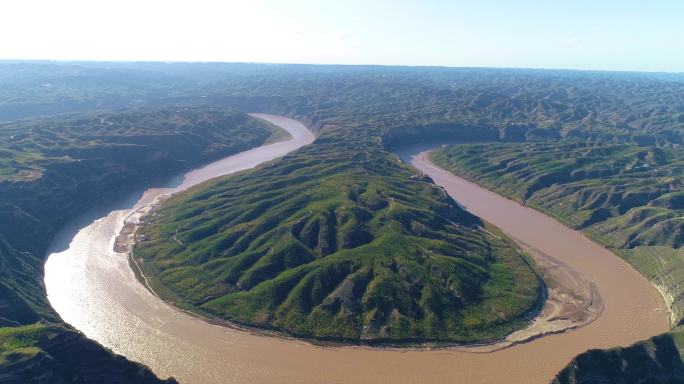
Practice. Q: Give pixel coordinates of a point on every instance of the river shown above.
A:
(94, 289)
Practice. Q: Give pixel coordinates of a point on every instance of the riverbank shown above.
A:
(561, 307)
(568, 301)
(96, 291)
(571, 300)
(149, 266)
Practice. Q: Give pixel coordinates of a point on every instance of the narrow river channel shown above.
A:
(94, 289)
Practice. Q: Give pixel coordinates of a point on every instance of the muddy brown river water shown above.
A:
(94, 289)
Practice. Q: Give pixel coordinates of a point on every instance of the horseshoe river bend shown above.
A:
(94, 289)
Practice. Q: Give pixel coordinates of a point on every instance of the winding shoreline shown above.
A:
(541, 317)
(573, 302)
(95, 289)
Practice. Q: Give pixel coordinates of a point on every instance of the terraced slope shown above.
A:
(29, 148)
(516, 104)
(53, 169)
(398, 104)
(626, 197)
(338, 241)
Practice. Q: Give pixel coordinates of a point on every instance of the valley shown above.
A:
(625, 197)
(258, 358)
(338, 242)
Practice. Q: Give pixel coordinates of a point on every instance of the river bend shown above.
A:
(94, 289)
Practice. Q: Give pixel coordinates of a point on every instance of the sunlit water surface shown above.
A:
(94, 289)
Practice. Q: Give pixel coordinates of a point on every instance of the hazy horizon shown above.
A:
(582, 35)
(67, 61)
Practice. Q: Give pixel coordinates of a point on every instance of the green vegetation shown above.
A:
(339, 241)
(51, 170)
(31, 147)
(64, 164)
(626, 197)
(13, 339)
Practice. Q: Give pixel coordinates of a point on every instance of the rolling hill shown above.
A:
(51, 170)
(339, 241)
(372, 109)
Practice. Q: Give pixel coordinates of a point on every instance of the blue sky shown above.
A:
(598, 34)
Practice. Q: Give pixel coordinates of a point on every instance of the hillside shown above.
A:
(514, 104)
(55, 354)
(657, 360)
(391, 106)
(626, 197)
(54, 169)
(338, 241)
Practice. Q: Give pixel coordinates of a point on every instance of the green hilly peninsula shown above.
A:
(338, 241)
(51, 170)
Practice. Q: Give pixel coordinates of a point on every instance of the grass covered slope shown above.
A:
(29, 148)
(399, 104)
(626, 197)
(51, 170)
(338, 241)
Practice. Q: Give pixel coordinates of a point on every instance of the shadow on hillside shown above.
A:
(124, 200)
(654, 361)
